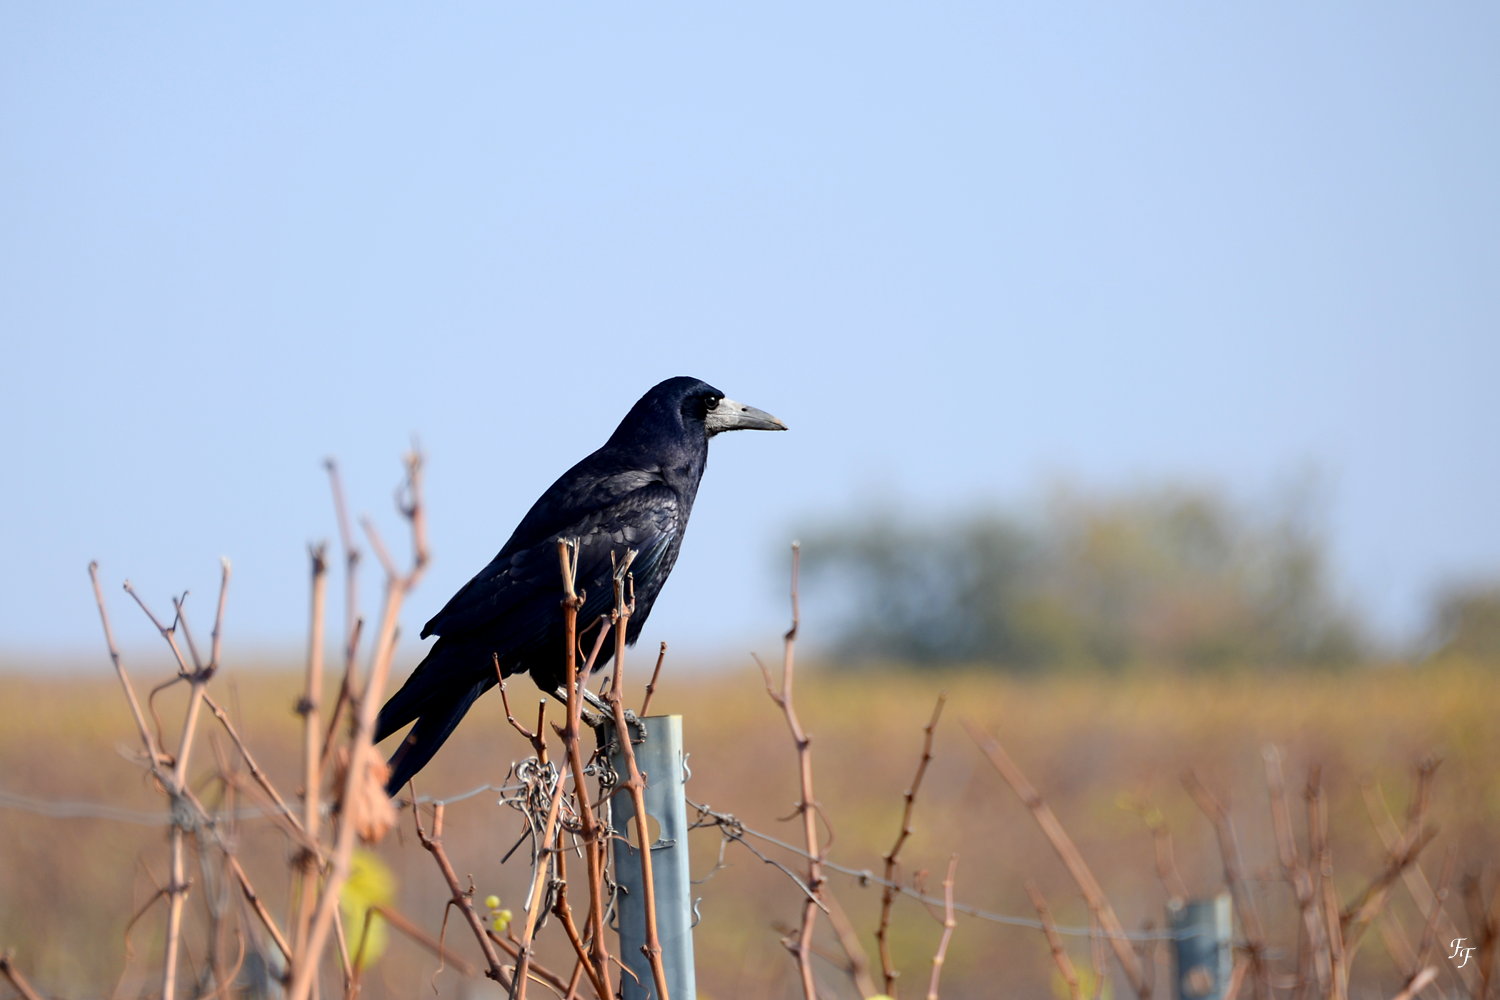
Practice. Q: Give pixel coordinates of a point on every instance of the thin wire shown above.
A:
(734, 828)
(78, 809)
(731, 827)
(59, 809)
(478, 790)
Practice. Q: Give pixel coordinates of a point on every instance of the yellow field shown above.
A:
(1097, 747)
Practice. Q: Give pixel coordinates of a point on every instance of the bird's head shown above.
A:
(692, 404)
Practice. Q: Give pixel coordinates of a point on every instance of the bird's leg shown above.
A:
(604, 716)
(592, 719)
(633, 725)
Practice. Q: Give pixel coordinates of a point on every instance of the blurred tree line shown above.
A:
(1168, 576)
(1466, 621)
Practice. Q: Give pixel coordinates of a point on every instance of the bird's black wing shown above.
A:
(512, 608)
(519, 592)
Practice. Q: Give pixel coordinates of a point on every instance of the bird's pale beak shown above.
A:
(732, 416)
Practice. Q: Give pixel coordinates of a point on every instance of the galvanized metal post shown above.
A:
(1201, 933)
(660, 759)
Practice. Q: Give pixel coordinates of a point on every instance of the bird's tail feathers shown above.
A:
(431, 682)
(433, 728)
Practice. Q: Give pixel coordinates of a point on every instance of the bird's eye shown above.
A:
(712, 403)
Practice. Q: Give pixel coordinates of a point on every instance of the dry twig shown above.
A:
(1356, 917)
(807, 807)
(1068, 852)
(460, 897)
(173, 779)
(312, 758)
(1313, 967)
(1417, 886)
(1328, 901)
(857, 963)
(591, 839)
(363, 781)
(661, 655)
(13, 976)
(888, 894)
(1417, 983)
(949, 922)
(1054, 942)
(635, 785)
(1234, 868)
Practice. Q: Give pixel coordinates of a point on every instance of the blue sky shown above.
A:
(964, 250)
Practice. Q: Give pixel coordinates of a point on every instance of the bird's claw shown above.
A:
(605, 727)
(597, 714)
(635, 726)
